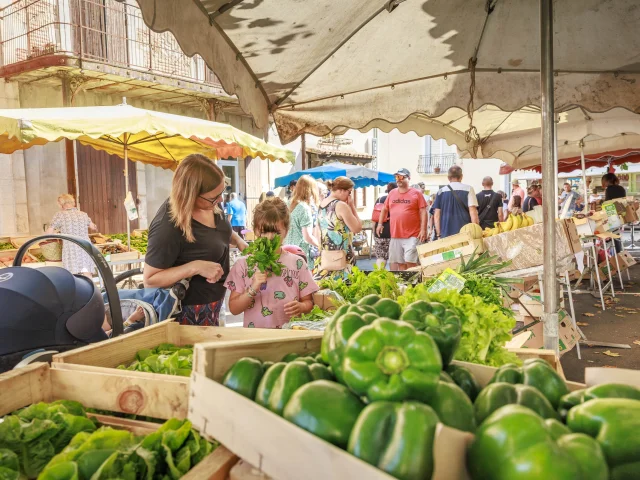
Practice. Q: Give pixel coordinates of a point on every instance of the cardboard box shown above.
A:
(326, 299)
(627, 259)
(567, 334)
(572, 235)
(524, 246)
(438, 268)
(630, 214)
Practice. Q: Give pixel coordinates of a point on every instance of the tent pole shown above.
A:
(584, 178)
(126, 187)
(549, 204)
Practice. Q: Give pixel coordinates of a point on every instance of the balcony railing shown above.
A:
(103, 31)
(436, 164)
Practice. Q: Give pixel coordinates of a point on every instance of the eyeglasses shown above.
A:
(397, 175)
(213, 200)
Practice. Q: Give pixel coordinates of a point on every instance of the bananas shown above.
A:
(512, 223)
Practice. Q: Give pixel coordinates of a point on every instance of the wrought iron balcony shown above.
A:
(97, 31)
(436, 164)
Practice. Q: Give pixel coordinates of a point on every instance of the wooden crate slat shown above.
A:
(214, 359)
(22, 387)
(150, 394)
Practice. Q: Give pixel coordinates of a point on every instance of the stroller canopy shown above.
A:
(47, 307)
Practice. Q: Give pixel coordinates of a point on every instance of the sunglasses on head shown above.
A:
(213, 200)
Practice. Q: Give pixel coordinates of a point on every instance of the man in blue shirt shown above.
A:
(237, 214)
(455, 206)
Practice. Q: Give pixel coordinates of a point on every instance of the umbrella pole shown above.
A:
(126, 188)
(549, 205)
(584, 178)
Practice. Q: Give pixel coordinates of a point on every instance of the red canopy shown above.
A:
(616, 157)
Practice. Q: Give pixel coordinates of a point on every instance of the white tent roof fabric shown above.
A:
(324, 65)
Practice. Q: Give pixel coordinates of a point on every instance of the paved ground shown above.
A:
(619, 323)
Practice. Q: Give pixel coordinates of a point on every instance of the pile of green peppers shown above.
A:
(384, 379)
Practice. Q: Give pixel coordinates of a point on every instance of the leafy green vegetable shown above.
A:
(485, 326)
(138, 243)
(359, 284)
(9, 465)
(264, 254)
(36, 433)
(6, 246)
(166, 358)
(166, 454)
(316, 314)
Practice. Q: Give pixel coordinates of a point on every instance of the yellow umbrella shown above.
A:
(156, 138)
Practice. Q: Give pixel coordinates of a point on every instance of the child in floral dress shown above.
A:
(270, 301)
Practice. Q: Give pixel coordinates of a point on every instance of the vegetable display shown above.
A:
(38, 432)
(166, 358)
(537, 374)
(359, 284)
(166, 454)
(515, 443)
(263, 254)
(137, 243)
(485, 327)
(316, 314)
(497, 395)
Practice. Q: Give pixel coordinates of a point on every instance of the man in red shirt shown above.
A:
(408, 210)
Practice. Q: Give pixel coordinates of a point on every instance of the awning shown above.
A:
(325, 155)
(156, 138)
(323, 66)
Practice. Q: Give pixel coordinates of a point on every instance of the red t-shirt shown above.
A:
(404, 209)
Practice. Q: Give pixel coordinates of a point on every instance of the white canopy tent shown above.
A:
(324, 66)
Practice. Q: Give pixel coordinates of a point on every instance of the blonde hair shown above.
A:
(196, 174)
(66, 199)
(269, 214)
(340, 183)
(306, 191)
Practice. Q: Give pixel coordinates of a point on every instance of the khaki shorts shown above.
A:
(403, 250)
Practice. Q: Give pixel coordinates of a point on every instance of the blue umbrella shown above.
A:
(361, 176)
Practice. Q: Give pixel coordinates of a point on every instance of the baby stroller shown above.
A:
(49, 310)
(142, 307)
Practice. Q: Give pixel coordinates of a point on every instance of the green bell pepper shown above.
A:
(390, 360)
(387, 308)
(453, 407)
(439, 322)
(268, 381)
(463, 377)
(515, 444)
(328, 341)
(556, 428)
(244, 377)
(537, 374)
(397, 438)
(326, 409)
(289, 357)
(320, 372)
(445, 377)
(344, 326)
(605, 390)
(294, 375)
(615, 424)
(370, 299)
(497, 395)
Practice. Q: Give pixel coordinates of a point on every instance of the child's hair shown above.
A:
(517, 201)
(268, 215)
(306, 191)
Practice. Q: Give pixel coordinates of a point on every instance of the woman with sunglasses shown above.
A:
(189, 238)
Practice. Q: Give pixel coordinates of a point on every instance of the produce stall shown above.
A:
(43, 433)
(125, 374)
(457, 431)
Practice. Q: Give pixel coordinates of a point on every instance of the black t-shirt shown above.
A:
(168, 248)
(614, 191)
(386, 226)
(488, 204)
(529, 203)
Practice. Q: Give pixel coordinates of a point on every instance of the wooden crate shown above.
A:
(150, 394)
(39, 383)
(456, 246)
(259, 436)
